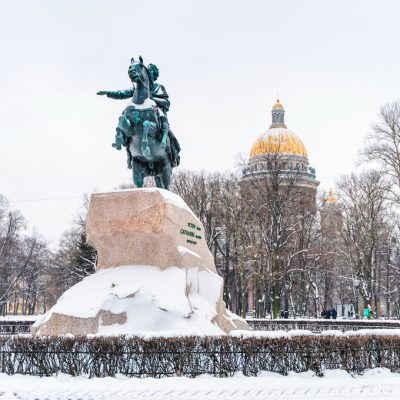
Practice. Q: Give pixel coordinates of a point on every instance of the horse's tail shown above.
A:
(175, 158)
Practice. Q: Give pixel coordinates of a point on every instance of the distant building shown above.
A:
(278, 166)
(331, 217)
(332, 294)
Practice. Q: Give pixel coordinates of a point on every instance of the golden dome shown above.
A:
(278, 140)
(330, 199)
(277, 105)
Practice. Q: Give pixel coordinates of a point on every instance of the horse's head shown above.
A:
(137, 72)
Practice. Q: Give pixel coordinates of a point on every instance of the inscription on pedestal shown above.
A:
(193, 231)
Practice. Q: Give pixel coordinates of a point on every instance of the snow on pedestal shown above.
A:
(155, 273)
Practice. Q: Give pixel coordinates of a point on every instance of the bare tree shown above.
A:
(383, 145)
(23, 263)
(364, 207)
(283, 211)
(75, 258)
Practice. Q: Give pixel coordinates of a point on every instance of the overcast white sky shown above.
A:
(334, 63)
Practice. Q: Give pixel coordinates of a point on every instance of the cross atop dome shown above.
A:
(278, 115)
(277, 104)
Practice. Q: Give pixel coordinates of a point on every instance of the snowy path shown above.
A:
(378, 384)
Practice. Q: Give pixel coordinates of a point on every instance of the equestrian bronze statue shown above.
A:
(143, 127)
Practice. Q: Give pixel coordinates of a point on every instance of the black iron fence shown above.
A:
(10, 327)
(319, 325)
(193, 356)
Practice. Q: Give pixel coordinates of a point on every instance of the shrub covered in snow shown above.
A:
(101, 356)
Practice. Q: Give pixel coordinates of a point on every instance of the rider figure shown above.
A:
(160, 96)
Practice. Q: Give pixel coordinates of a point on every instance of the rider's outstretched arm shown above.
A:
(118, 95)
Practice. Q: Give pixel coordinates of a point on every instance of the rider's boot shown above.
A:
(164, 130)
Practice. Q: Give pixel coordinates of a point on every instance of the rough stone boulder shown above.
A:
(155, 274)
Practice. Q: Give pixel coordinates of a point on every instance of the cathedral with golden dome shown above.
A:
(280, 181)
(281, 146)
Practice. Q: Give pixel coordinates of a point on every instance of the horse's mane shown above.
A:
(148, 75)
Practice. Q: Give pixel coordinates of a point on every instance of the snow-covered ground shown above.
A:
(20, 318)
(377, 384)
(328, 321)
(156, 302)
(302, 332)
(294, 320)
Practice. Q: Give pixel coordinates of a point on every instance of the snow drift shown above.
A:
(155, 274)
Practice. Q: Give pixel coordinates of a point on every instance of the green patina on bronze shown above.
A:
(143, 127)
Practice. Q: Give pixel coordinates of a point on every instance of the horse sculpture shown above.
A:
(151, 146)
